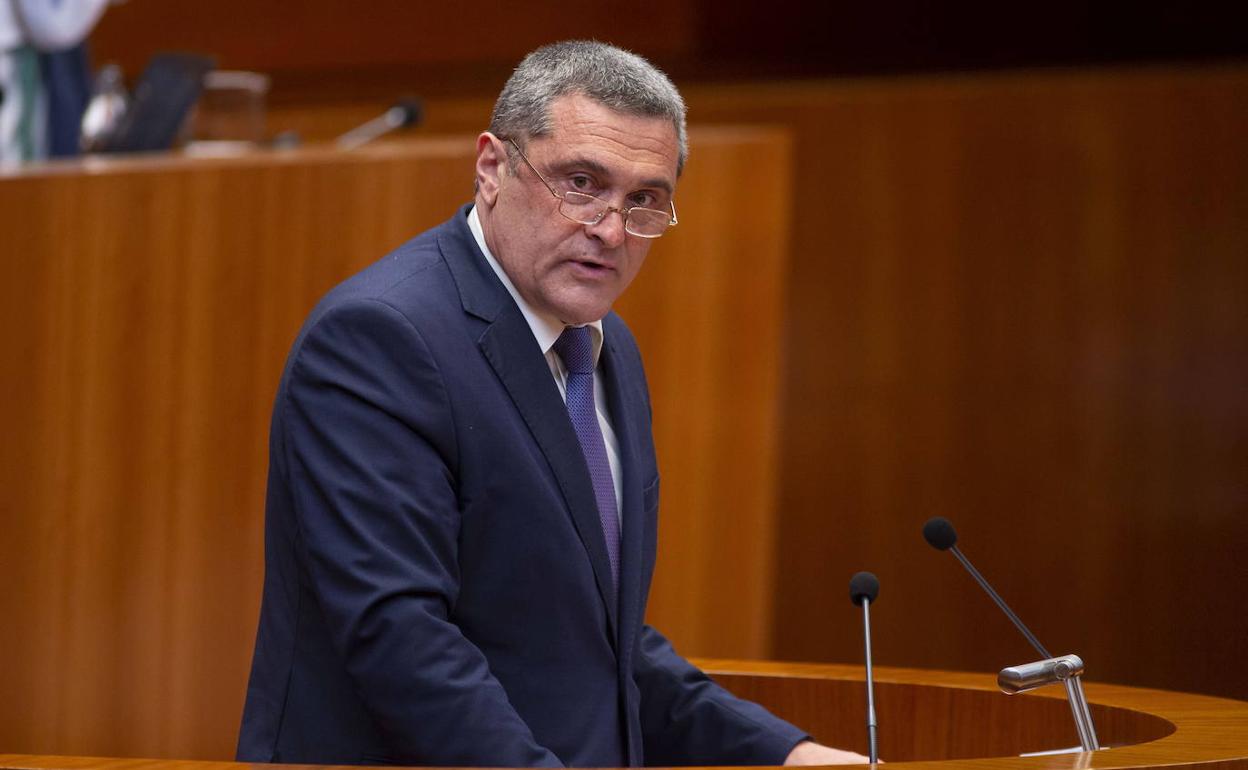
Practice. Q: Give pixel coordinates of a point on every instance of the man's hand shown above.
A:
(811, 753)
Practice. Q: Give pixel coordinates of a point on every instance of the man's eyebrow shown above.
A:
(600, 170)
(662, 184)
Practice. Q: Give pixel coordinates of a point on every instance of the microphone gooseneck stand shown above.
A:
(940, 534)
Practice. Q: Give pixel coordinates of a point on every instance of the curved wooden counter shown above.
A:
(961, 720)
(931, 719)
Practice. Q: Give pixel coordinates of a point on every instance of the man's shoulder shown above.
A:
(408, 264)
(415, 282)
(417, 274)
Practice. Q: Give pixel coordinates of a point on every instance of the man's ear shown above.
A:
(491, 165)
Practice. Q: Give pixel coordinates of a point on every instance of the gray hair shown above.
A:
(613, 77)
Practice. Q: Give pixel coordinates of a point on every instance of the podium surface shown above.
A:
(930, 719)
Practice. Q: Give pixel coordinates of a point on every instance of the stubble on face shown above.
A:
(567, 271)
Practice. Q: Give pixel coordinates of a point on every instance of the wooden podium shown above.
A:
(931, 720)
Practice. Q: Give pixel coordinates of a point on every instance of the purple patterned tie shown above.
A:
(577, 351)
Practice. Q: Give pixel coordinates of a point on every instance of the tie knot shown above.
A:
(576, 349)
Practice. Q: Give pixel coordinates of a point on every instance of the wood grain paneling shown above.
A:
(323, 38)
(328, 51)
(150, 305)
(962, 718)
(147, 308)
(1022, 302)
(708, 318)
(926, 715)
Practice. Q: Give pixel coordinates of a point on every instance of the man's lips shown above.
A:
(592, 266)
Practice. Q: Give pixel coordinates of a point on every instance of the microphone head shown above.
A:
(863, 585)
(939, 533)
(409, 110)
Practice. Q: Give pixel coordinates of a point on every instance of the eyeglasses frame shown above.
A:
(607, 207)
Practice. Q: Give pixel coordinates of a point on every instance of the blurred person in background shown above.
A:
(44, 75)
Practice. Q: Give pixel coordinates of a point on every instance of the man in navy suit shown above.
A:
(463, 494)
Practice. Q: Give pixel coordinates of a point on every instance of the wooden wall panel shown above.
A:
(327, 50)
(708, 315)
(1022, 302)
(147, 309)
(322, 39)
(153, 304)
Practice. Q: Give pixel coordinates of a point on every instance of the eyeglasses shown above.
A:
(585, 209)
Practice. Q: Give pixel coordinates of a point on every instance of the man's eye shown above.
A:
(644, 200)
(580, 182)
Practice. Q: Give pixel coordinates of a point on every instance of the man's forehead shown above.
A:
(615, 141)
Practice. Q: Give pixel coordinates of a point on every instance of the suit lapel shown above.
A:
(508, 344)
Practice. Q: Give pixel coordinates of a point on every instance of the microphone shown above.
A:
(863, 588)
(405, 112)
(940, 534)
(1015, 679)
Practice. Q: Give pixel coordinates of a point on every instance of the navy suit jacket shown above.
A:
(437, 589)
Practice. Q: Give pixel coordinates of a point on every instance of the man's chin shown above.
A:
(576, 304)
(583, 319)
(581, 314)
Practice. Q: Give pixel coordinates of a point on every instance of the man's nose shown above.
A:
(609, 229)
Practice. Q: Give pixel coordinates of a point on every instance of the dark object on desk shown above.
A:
(406, 112)
(163, 97)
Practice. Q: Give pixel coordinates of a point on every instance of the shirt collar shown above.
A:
(546, 329)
